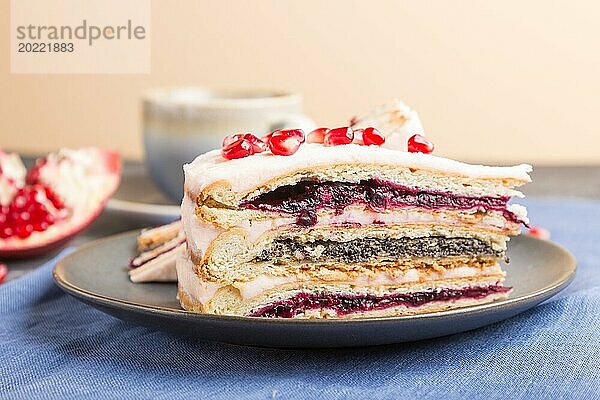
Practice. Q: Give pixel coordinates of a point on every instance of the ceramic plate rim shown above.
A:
(557, 285)
(135, 207)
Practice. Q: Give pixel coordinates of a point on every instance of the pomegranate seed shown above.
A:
(258, 146)
(267, 137)
(24, 231)
(6, 232)
(317, 136)
(419, 144)
(338, 136)
(3, 272)
(295, 133)
(283, 144)
(372, 136)
(539, 232)
(238, 149)
(229, 139)
(40, 226)
(19, 202)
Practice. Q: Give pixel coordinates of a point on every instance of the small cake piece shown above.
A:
(345, 230)
(158, 250)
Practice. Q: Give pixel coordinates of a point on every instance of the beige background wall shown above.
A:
(493, 81)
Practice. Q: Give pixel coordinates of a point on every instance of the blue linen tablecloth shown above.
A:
(53, 346)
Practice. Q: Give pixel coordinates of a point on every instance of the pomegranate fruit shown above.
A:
(57, 198)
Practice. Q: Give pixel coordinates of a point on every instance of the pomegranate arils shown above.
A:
(539, 232)
(284, 144)
(419, 144)
(242, 145)
(31, 210)
(238, 149)
(317, 136)
(230, 139)
(372, 136)
(338, 136)
(295, 133)
(258, 146)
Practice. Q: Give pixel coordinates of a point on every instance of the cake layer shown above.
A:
(343, 304)
(210, 295)
(215, 181)
(260, 221)
(305, 198)
(245, 298)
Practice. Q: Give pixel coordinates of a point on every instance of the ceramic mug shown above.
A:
(181, 123)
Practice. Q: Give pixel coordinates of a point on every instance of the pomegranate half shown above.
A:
(43, 208)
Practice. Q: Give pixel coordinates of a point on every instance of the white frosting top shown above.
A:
(244, 174)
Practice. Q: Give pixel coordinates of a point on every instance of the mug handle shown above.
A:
(291, 120)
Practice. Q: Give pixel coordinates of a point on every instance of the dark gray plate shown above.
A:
(96, 273)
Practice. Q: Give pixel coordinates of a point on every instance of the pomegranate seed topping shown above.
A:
(317, 136)
(239, 149)
(295, 133)
(419, 144)
(3, 272)
(338, 136)
(283, 144)
(258, 146)
(372, 136)
(230, 139)
(539, 232)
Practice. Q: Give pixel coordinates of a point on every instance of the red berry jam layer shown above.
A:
(348, 304)
(306, 197)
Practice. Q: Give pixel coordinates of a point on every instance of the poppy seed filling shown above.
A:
(375, 249)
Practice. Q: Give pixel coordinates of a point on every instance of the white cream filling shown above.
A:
(188, 282)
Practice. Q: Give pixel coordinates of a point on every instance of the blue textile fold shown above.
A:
(53, 346)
